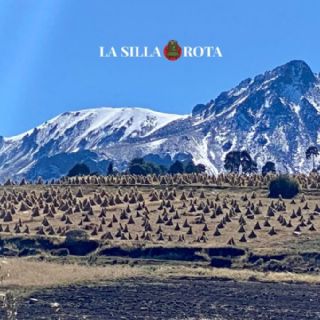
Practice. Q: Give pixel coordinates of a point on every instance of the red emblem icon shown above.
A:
(172, 51)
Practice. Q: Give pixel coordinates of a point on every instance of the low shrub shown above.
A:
(285, 186)
(76, 235)
(62, 252)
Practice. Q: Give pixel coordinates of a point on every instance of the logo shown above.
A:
(172, 51)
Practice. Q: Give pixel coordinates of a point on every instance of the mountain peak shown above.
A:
(297, 73)
(290, 81)
(275, 115)
(296, 65)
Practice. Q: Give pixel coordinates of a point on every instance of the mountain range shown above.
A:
(275, 116)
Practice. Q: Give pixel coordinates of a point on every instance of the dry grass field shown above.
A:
(190, 214)
(28, 273)
(136, 233)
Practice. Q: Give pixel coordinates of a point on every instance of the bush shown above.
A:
(80, 169)
(78, 243)
(176, 167)
(269, 167)
(62, 252)
(200, 168)
(76, 235)
(190, 167)
(285, 186)
(140, 167)
(110, 169)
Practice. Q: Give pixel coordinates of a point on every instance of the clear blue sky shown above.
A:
(49, 59)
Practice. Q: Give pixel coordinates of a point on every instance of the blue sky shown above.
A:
(49, 61)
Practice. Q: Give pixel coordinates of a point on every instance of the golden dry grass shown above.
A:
(284, 237)
(20, 272)
(237, 275)
(24, 273)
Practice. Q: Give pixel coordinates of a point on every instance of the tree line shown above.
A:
(139, 166)
(241, 161)
(234, 162)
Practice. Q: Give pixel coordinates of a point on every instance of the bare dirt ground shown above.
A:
(184, 298)
(154, 292)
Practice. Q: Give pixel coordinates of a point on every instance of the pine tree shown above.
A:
(312, 152)
(110, 169)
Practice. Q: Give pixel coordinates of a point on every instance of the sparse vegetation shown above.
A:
(311, 153)
(33, 274)
(139, 166)
(8, 298)
(134, 210)
(269, 167)
(240, 160)
(110, 170)
(176, 167)
(79, 169)
(76, 235)
(284, 186)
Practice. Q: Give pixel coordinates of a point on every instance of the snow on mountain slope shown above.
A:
(90, 129)
(98, 123)
(275, 116)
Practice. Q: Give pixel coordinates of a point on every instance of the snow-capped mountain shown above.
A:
(51, 148)
(274, 116)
